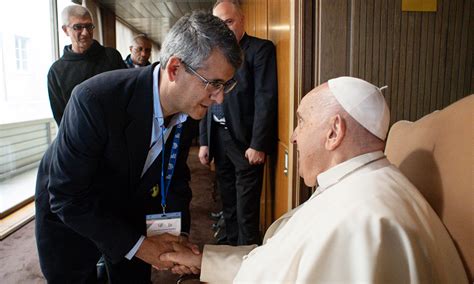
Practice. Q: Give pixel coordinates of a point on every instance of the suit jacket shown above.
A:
(90, 177)
(251, 108)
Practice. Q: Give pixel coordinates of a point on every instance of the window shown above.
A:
(23, 78)
(26, 124)
(21, 52)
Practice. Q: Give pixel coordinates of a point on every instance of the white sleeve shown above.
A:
(221, 263)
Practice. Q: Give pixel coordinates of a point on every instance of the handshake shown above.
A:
(166, 251)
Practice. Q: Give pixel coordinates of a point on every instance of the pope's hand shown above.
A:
(185, 257)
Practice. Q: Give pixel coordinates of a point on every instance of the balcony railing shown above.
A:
(23, 144)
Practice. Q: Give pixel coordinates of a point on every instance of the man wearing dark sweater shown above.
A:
(140, 52)
(83, 59)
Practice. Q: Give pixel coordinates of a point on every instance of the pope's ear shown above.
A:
(336, 132)
(172, 68)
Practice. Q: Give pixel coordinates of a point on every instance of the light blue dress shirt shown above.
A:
(155, 143)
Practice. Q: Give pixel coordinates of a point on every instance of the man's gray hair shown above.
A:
(142, 37)
(195, 36)
(75, 11)
(237, 4)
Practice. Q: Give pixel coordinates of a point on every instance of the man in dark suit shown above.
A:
(241, 132)
(105, 171)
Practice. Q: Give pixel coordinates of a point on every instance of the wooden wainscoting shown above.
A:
(425, 58)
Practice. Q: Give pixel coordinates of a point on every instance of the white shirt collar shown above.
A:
(157, 111)
(338, 172)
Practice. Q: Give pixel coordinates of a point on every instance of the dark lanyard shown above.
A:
(171, 163)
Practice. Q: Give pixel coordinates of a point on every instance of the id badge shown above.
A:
(157, 224)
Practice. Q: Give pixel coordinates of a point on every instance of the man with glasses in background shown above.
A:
(83, 59)
(140, 52)
(240, 133)
(117, 172)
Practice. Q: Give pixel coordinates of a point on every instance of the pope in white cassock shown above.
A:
(364, 223)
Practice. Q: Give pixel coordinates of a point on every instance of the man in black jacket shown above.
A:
(241, 132)
(120, 157)
(140, 52)
(83, 59)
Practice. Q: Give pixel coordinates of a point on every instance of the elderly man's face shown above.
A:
(81, 31)
(140, 52)
(231, 17)
(309, 137)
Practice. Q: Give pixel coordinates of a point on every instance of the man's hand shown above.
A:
(187, 260)
(204, 155)
(152, 247)
(255, 157)
(185, 242)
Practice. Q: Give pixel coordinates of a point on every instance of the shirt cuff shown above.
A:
(134, 250)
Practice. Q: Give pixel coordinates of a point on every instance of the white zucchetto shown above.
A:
(364, 102)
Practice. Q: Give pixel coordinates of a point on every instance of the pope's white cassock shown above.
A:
(365, 223)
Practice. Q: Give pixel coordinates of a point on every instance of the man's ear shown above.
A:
(65, 29)
(130, 47)
(336, 132)
(172, 68)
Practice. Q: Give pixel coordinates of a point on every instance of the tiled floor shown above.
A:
(17, 189)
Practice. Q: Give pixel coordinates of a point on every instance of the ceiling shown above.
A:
(154, 17)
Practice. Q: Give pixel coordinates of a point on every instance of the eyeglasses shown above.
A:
(80, 27)
(213, 86)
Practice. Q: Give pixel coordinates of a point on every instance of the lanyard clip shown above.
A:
(164, 208)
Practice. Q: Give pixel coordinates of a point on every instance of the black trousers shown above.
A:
(75, 261)
(240, 185)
